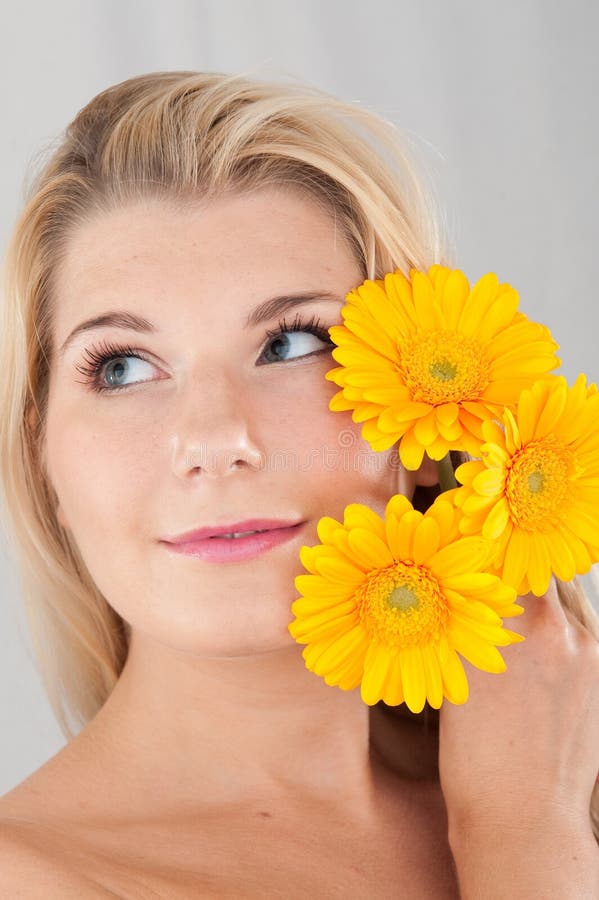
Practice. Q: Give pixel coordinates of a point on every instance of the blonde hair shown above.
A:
(178, 136)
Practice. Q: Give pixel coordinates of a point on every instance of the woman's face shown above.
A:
(154, 454)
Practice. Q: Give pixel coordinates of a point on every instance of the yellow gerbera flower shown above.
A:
(535, 491)
(388, 604)
(425, 361)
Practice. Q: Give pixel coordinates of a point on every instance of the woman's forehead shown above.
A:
(244, 252)
(280, 220)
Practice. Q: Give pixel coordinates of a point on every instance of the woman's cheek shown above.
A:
(91, 466)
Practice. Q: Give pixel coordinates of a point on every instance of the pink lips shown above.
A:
(202, 543)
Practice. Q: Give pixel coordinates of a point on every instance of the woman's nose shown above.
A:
(211, 431)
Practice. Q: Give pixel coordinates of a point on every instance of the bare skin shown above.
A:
(78, 818)
(217, 744)
(219, 766)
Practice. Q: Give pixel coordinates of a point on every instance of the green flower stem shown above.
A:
(447, 480)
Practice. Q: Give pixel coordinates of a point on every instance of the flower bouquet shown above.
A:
(436, 366)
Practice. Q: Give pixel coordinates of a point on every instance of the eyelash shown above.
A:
(106, 351)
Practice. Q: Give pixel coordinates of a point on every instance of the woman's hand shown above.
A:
(519, 760)
(525, 745)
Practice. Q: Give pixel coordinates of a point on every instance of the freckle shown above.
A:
(264, 814)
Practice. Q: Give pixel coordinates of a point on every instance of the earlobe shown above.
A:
(427, 475)
(408, 481)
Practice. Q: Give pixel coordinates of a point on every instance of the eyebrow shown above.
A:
(269, 309)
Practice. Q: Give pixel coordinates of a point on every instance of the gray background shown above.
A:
(501, 98)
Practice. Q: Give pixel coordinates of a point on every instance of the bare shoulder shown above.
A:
(36, 845)
(29, 868)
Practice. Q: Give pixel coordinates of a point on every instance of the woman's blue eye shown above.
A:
(304, 345)
(103, 358)
(108, 366)
(313, 328)
(117, 369)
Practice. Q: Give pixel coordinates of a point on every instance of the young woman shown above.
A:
(170, 285)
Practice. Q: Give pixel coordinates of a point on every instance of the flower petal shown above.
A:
(476, 650)
(376, 667)
(425, 429)
(337, 569)
(413, 678)
(397, 505)
(455, 683)
(316, 586)
(427, 538)
(352, 643)
(369, 549)
(538, 571)
(497, 520)
(432, 671)
(515, 563)
(411, 451)
(393, 694)
(405, 533)
(358, 515)
(490, 482)
(467, 554)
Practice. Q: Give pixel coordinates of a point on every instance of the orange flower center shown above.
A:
(443, 367)
(537, 485)
(402, 605)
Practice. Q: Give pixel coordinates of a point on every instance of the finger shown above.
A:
(562, 609)
(548, 604)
